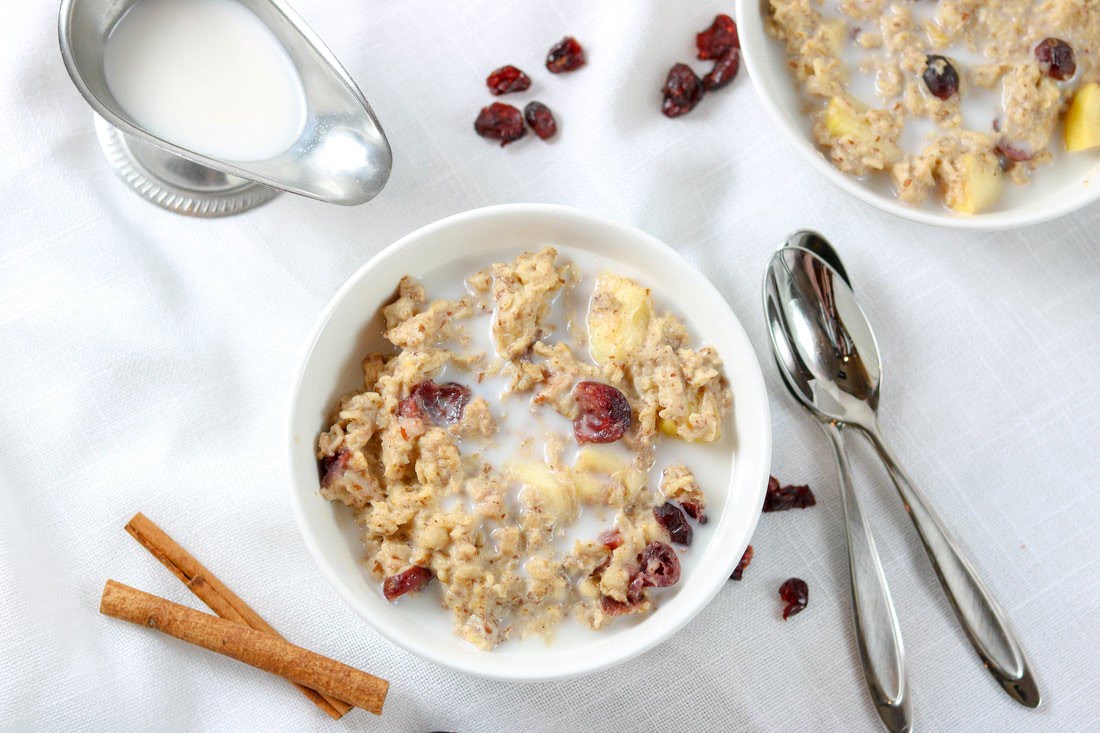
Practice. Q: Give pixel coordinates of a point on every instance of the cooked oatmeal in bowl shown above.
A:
(529, 452)
(937, 111)
(476, 483)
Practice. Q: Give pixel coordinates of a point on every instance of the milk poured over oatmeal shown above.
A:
(519, 545)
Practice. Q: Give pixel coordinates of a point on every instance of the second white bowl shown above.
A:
(1057, 189)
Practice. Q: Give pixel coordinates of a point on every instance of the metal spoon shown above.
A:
(839, 361)
(878, 635)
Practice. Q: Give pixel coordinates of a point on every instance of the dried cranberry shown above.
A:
(682, 91)
(1056, 58)
(796, 594)
(610, 538)
(501, 122)
(694, 510)
(507, 79)
(660, 565)
(779, 499)
(715, 41)
(332, 467)
(940, 77)
(442, 402)
(725, 69)
(672, 519)
(611, 607)
(407, 581)
(603, 414)
(742, 564)
(1013, 153)
(541, 120)
(565, 55)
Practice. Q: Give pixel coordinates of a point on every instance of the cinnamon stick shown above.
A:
(214, 594)
(256, 648)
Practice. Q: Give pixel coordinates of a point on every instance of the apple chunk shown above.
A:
(1082, 123)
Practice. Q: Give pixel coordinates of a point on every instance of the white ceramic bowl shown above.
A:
(1070, 183)
(331, 368)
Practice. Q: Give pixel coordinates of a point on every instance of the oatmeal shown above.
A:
(447, 506)
(951, 99)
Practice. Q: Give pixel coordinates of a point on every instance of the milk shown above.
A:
(206, 75)
(518, 424)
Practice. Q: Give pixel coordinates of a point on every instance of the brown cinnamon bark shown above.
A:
(256, 648)
(215, 594)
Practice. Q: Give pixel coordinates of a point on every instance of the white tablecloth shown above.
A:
(146, 358)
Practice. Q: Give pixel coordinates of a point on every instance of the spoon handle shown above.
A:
(980, 616)
(877, 632)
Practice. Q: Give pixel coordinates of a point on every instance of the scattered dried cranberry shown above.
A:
(682, 91)
(660, 565)
(332, 467)
(541, 120)
(796, 594)
(742, 564)
(442, 402)
(694, 510)
(507, 79)
(565, 55)
(1056, 58)
(940, 77)
(779, 499)
(407, 581)
(610, 538)
(715, 41)
(603, 414)
(501, 122)
(670, 517)
(725, 69)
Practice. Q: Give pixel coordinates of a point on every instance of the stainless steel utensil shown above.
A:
(878, 635)
(838, 361)
(341, 157)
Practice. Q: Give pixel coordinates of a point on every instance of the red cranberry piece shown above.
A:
(672, 519)
(565, 55)
(442, 402)
(940, 77)
(616, 608)
(694, 510)
(779, 499)
(1056, 58)
(725, 68)
(796, 594)
(742, 564)
(715, 41)
(332, 467)
(610, 538)
(541, 120)
(603, 414)
(407, 581)
(1013, 153)
(501, 122)
(660, 565)
(682, 90)
(507, 79)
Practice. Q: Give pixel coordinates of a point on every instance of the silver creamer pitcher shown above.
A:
(341, 156)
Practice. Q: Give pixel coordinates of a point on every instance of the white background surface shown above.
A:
(146, 359)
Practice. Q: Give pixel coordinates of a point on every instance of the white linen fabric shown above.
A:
(146, 361)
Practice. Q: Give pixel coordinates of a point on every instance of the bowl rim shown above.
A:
(750, 28)
(639, 643)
